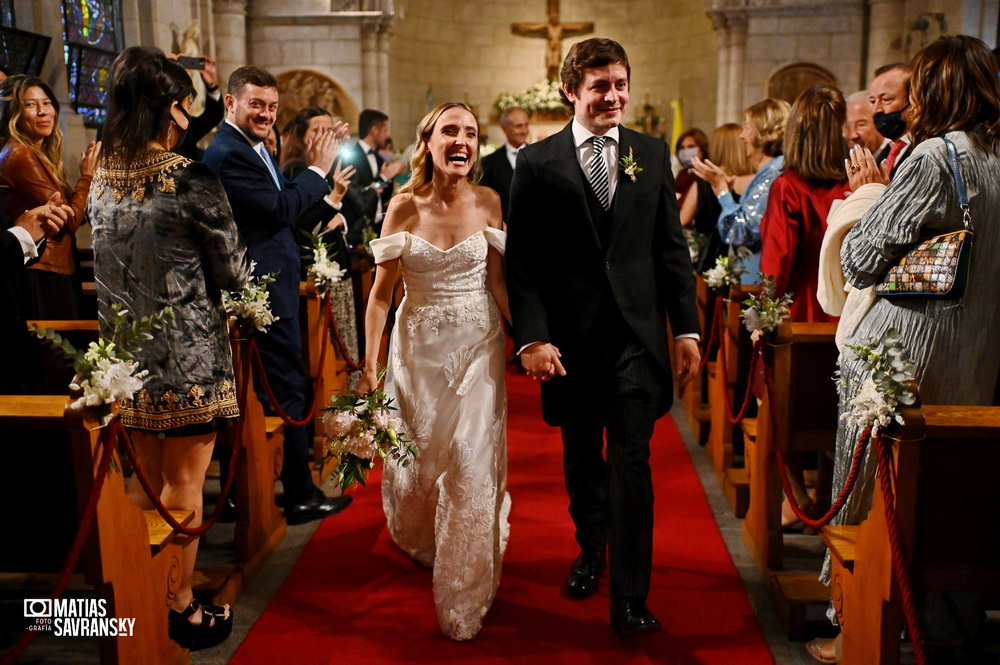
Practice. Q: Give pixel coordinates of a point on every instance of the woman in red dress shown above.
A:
(793, 226)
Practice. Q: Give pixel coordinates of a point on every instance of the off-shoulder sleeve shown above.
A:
(388, 248)
(496, 238)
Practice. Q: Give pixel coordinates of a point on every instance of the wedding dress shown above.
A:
(448, 508)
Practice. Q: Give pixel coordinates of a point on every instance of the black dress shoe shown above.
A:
(629, 617)
(316, 508)
(583, 575)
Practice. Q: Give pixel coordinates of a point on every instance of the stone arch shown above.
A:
(300, 88)
(788, 82)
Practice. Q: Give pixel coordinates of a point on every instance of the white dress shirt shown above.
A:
(376, 175)
(511, 153)
(585, 149)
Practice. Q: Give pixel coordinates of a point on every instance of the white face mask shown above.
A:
(687, 155)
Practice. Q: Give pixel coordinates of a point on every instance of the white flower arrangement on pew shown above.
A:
(251, 306)
(359, 429)
(106, 372)
(728, 270)
(696, 243)
(877, 404)
(324, 271)
(763, 311)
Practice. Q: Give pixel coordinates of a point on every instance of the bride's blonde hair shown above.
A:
(421, 168)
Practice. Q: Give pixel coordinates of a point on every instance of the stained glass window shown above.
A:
(93, 38)
(22, 52)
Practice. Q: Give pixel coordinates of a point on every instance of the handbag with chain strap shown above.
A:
(937, 267)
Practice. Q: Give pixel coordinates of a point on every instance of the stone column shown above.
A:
(886, 41)
(382, 66)
(369, 65)
(721, 26)
(230, 37)
(737, 66)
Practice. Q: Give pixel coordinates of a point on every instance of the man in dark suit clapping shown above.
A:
(371, 188)
(266, 208)
(498, 167)
(596, 266)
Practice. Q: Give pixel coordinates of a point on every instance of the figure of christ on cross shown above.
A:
(553, 32)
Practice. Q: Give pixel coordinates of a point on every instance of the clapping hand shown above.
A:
(323, 147)
(341, 180)
(711, 174)
(89, 159)
(46, 220)
(862, 168)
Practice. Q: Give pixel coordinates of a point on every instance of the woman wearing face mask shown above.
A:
(691, 145)
(739, 222)
(164, 235)
(448, 508)
(31, 171)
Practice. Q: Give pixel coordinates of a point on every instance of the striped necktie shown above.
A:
(598, 171)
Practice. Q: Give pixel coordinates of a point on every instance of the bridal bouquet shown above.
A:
(323, 270)
(763, 311)
(358, 430)
(251, 306)
(877, 403)
(106, 371)
(728, 270)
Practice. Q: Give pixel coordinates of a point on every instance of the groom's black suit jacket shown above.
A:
(561, 265)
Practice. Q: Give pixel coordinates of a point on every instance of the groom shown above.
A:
(596, 265)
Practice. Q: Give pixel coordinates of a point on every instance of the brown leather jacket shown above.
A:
(25, 183)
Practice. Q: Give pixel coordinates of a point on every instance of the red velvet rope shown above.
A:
(86, 522)
(713, 333)
(899, 568)
(121, 434)
(755, 359)
(275, 404)
(852, 476)
(331, 322)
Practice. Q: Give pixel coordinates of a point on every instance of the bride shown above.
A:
(448, 508)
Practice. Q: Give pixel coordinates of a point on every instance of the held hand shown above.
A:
(688, 359)
(321, 149)
(89, 159)
(541, 361)
(862, 169)
(341, 180)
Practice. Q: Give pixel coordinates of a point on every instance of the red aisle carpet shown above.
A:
(352, 598)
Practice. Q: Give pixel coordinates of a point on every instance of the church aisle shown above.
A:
(352, 597)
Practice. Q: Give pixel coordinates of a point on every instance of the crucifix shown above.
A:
(553, 32)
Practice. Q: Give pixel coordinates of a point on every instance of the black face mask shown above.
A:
(181, 133)
(891, 125)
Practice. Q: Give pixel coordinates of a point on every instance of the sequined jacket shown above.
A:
(164, 235)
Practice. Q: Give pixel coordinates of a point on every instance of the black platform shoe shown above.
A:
(213, 629)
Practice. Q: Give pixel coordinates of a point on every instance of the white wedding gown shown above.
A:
(448, 508)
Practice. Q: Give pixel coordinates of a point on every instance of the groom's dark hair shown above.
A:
(594, 52)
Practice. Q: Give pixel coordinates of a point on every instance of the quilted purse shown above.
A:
(937, 267)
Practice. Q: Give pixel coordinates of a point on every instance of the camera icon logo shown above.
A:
(37, 608)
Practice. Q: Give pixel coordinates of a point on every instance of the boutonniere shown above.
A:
(630, 165)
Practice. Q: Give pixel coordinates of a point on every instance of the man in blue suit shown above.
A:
(266, 207)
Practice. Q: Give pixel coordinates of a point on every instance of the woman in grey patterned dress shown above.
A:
(164, 235)
(954, 344)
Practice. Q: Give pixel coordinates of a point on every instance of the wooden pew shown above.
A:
(946, 498)
(694, 396)
(802, 359)
(260, 525)
(724, 437)
(329, 378)
(129, 559)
